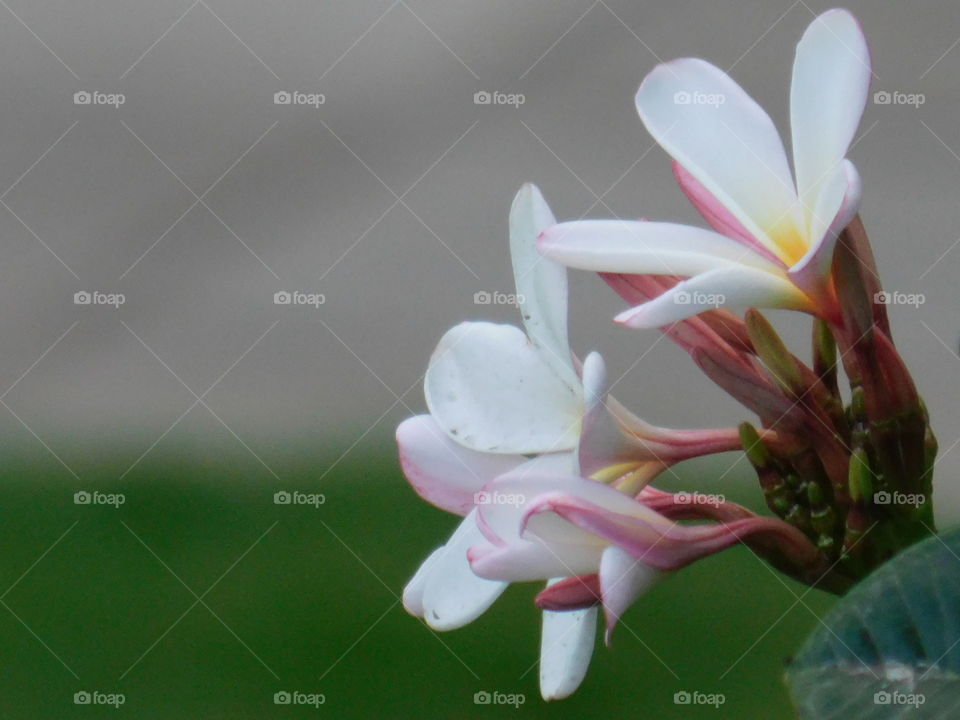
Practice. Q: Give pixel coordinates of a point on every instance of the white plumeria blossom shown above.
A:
(496, 394)
(776, 236)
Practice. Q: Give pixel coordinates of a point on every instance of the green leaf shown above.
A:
(891, 647)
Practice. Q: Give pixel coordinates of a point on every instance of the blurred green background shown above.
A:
(97, 598)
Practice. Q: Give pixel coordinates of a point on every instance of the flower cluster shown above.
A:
(552, 476)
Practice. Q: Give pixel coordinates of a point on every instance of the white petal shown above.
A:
(541, 283)
(831, 78)
(657, 248)
(623, 579)
(492, 391)
(735, 287)
(603, 441)
(837, 205)
(452, 595)
(566, 646)
(442, 471)
(413, 592)
(701, 117)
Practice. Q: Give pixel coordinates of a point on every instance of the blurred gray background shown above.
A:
(199, 198)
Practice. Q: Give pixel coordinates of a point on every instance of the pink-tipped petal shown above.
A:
(659, 248)
(646, 535)
(708, 124)
(443, 472)
(715, 213)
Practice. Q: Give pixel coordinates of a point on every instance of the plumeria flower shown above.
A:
(544, 523)
(497, 395)
(774, 232)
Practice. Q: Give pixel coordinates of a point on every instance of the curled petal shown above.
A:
(658, 542)
(604, 442)
(837, 206)
(443, 472)
(533, 559)
(623, 579)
